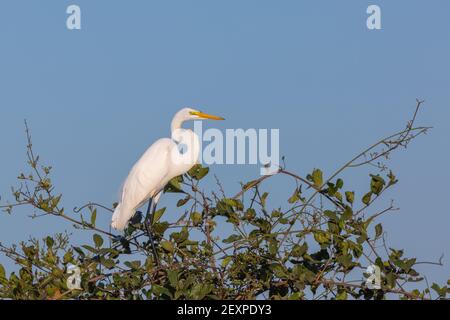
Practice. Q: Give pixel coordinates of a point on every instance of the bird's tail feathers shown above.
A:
(119, 220)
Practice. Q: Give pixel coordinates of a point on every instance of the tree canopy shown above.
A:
(315, 245)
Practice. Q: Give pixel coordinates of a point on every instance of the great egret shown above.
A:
(161, 162)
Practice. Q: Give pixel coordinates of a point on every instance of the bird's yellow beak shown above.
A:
(206, 116)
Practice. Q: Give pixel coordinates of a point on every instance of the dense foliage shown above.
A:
(316, 245)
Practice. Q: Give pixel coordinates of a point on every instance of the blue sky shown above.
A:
(97, 97)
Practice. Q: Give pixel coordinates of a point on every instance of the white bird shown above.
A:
(162, 162)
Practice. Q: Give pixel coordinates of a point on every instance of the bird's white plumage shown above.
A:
(143, 182)
(158, 165)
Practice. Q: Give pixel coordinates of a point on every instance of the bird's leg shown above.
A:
(152, 218)
(148, 222)
(147, 216)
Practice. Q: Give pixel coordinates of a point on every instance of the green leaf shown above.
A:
(276, 214)
(198, 172)
(331, 215)
(295, 197)
(2, 272)
(362, 238)
(196, 218)
(250, 214)
(367, 198)
(237, 204)
(232, 238)
(161, 291)
(299, 251)
(317, 178)
(180, 237)
(158, 214)
(223, 208)
(182, 202)
(350, 196)
(108, 263)
(278, 270)
(202, 173)
(172, 275)
(68, 257)
(273, 247)
(200, 290)
(174, 185)
(79, 251)
(331, 189)
(390, 278)
(345, 260)
(49, 241)
(347, 214)
(89, 248)
(378, 230)
(167, 245)
(409, 264)
(322, 237)
(161, 227)
(226, 261)
(264, 199)
(93, 217)
(342, 296)
(377, 184)
(192, 172)
(442, 292)
(98, 240)
(296, 296)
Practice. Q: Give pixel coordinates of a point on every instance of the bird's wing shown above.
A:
(149, 175)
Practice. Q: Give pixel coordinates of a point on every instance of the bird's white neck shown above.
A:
(188, 139)
(177, 122)
(189, 142)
